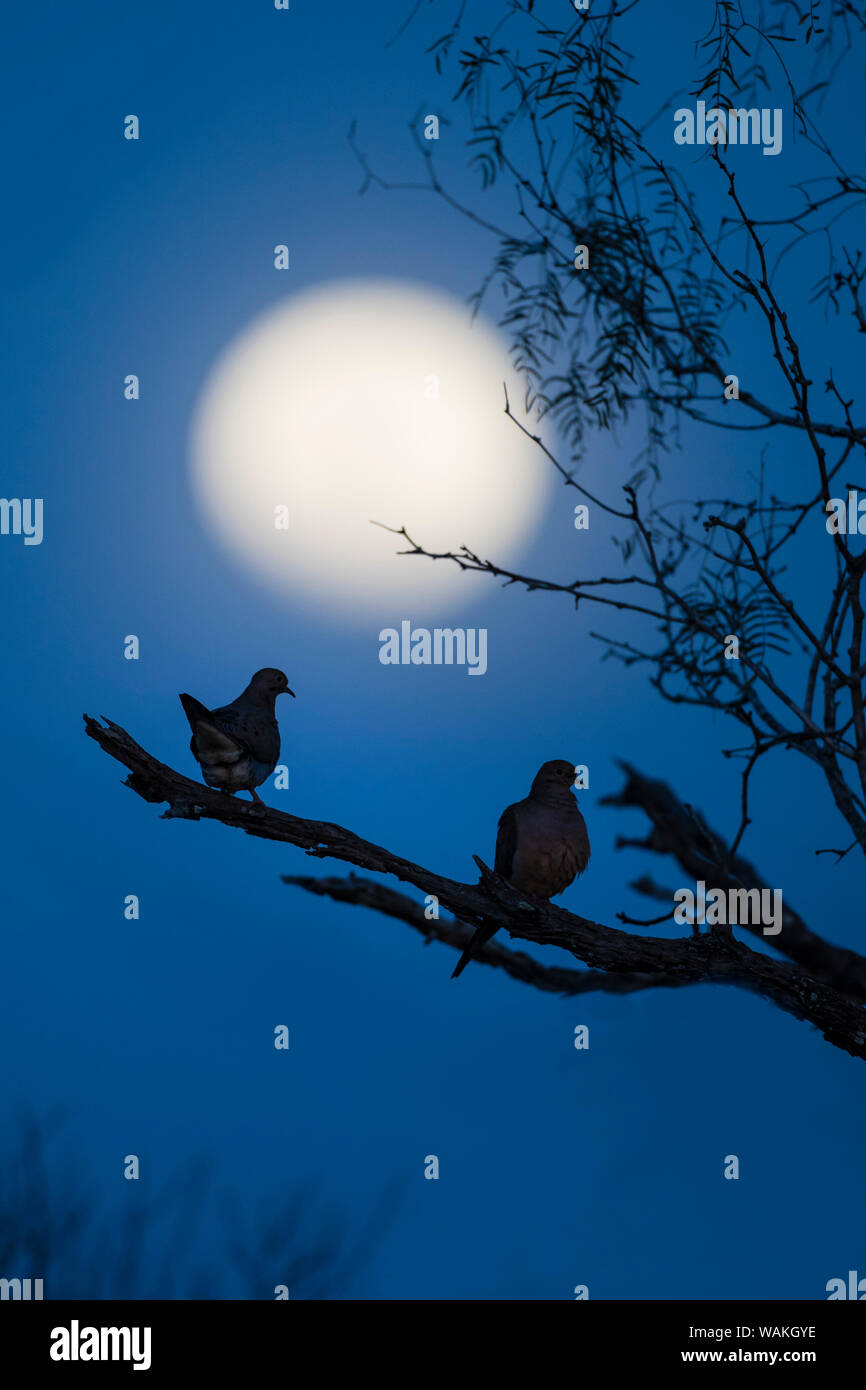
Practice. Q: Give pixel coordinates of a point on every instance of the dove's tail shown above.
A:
(482, 935)
(210, 744)
(194, 710)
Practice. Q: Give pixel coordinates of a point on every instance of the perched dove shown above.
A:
(238, 745)
(541, 845)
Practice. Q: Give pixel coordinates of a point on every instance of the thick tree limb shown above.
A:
(709, 959)
(681, 831)
(366, 892)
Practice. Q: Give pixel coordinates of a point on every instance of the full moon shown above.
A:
(359, 402)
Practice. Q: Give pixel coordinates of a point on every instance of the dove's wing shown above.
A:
(253, 729)
(209, 740)
(506, 841)
(581, 844)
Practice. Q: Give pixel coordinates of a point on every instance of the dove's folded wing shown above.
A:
(210, 740)
(506, 842)
(255, 732)
(213, 744)
(581, 844)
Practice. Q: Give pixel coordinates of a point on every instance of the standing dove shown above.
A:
(541, 845)
(238, 745)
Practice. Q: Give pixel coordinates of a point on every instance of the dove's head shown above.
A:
(554, 778)
(269, 683)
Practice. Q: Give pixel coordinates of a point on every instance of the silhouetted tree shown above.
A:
(686, 273)
(186, 1240)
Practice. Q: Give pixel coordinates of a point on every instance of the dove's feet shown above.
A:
(255, 796)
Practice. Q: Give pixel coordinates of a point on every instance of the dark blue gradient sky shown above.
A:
(558, 1167)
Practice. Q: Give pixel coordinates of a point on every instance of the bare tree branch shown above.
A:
(707, 959)
(366, 892)
(629, 284)
(682, 832)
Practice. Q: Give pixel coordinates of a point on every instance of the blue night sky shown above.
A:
(557, 1167)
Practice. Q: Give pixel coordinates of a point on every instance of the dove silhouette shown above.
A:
(237, 746)
(541, 844)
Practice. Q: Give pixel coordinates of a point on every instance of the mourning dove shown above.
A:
(238, 745)
(541, 845)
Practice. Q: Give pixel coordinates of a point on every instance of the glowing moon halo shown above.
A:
(362, 401)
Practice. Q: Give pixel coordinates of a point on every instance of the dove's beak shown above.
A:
(287, 691)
